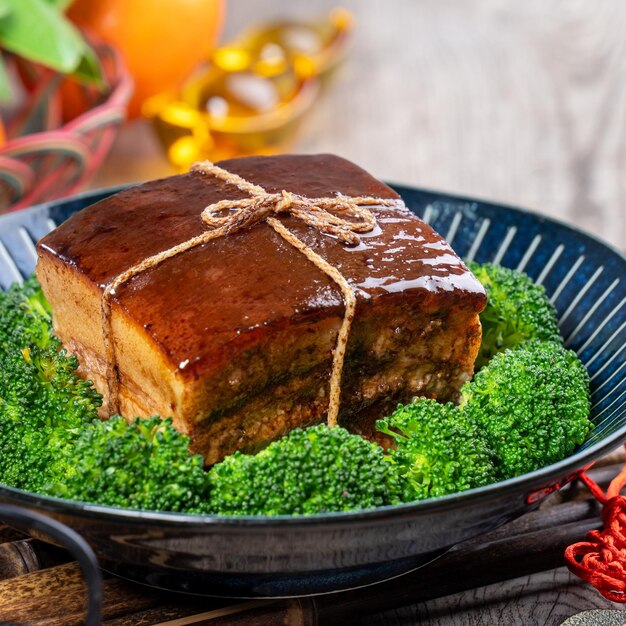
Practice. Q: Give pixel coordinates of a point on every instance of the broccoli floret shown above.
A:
(517, 310)
(438, 449)
(25, 317)
(43, 403)
(43, 406)
(144, 465)
(308, 471)
(527, 408)
(532, 404)
(51, 440)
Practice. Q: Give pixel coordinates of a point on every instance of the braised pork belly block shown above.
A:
(233, 339)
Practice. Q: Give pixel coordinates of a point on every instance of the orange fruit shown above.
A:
(161, 41)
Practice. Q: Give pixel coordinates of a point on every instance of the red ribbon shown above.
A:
(601, 559)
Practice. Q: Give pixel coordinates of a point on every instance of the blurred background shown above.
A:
(523, 103)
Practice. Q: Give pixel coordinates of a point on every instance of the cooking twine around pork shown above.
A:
(339, 216)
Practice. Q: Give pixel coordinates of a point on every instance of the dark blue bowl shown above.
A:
(285, 556)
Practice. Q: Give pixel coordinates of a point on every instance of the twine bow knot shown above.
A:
(341, 216)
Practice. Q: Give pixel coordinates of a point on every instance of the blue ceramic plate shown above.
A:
(283, 556)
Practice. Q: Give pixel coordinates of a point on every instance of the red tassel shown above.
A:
(601, 560)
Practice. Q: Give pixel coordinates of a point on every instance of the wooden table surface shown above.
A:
(520, 102)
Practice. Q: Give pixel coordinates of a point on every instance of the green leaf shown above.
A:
(5, 8)
(89, 69)
(35, 29)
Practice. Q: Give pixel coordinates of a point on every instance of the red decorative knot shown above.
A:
(601, 560)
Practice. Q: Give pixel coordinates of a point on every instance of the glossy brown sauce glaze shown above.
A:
(204, 303)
